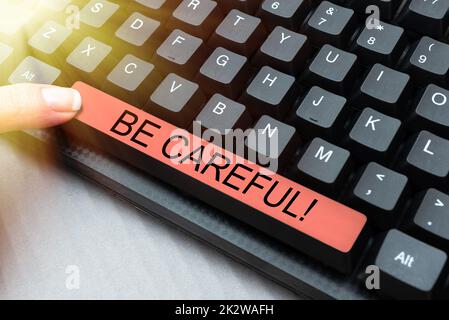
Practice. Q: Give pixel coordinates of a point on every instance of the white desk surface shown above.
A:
(51, 219)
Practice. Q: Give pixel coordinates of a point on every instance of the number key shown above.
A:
(429, 62)
(287, 13)
(330, 24)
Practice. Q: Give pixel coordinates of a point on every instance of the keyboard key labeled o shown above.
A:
(34, 71)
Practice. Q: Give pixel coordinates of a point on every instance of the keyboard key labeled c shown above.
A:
(89, 54)
(287, 211)
(48, 38)
(132, 75)
(409, 268)
(97, 12)
(34, 71)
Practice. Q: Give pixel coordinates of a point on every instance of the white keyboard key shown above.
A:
(48, 38)
(152, 4)
(97, 12)
(130, 72)
(137, 29)
(89, 54)
(34, 71)
(5, 52)
(15, 14)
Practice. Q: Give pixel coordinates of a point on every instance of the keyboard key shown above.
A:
(385, 89)
(271, 92)
(137, 29)
(330, 24)
(239, 32)
(432, 111)
(180, 52)
(384, 43)
(323, 166)
(5, 52)
(380, 192)
(177, 100)
(427, 162)
(286, 13)
(153, 4)
(222, 115)
(198, 18)
(374, 136)
(50, 37)
(130, 74)
(330, 231)
(409, 268)
(96, 13)
(224, 71)
(320, 114)
(271, 143)
(33, 70)
(88, 55)
(333, 69)
(429, 62)
(430, 219)
(284, 50)
(427, 17)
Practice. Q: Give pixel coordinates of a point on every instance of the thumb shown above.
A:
(26, 106)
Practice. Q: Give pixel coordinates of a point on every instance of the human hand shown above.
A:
(26, 106)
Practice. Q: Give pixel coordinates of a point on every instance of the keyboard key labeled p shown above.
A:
(33, 70)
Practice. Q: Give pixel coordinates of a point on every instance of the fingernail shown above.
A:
(62, 99)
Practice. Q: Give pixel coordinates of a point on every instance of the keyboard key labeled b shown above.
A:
(271, 92)
(97, 12)
(48, 38)
(33, 70)
(176, 100)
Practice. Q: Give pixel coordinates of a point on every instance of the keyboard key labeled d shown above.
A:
(33, 70)
(138, 30)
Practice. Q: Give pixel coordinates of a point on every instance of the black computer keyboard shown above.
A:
(346, 153)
